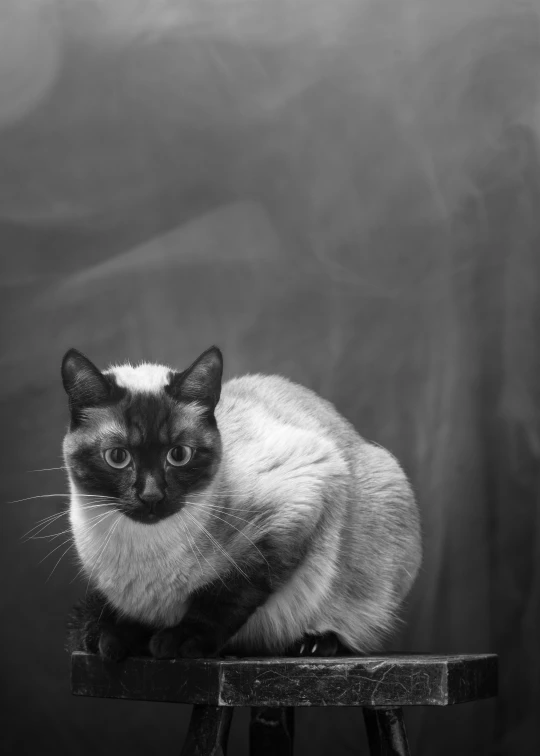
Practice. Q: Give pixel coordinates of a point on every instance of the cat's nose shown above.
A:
(154, 497)
(151, 493)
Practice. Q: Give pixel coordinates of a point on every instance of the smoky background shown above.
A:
(345, 192)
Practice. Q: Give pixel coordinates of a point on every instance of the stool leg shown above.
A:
(271, 731)
(208, 731)
(386, 731)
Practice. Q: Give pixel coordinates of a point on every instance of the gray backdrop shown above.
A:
(346, 194)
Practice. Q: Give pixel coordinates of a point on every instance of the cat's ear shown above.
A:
(85, 385)
(201, 382)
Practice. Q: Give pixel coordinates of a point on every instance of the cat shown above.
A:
(244, 518)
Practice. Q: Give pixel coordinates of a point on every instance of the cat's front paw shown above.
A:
(318, 645)
(111, 647)
(166, 644)
(173, 644)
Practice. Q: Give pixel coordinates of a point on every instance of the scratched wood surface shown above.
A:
(421, 680)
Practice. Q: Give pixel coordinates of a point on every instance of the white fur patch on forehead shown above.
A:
(146, 378)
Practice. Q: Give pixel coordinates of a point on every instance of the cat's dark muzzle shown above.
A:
(152, 512)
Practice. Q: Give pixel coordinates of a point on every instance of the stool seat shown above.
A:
(273, 686)
(414, 680)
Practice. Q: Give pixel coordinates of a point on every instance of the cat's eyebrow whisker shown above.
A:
(223, 551)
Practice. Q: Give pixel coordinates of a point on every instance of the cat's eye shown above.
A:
(118, 457)
(179, 456)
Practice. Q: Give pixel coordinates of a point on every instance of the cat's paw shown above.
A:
(199, 648)
(111, 647)
(173, 644)
(166, 644)
(318, 645)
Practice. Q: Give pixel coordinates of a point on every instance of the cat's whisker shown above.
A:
(66, 551)
(220, 548)
(55, 549)
(222, 508)
(47, 469)
(215, 490)
(77, 574)
(226, 510)
(58, 562)
(102, 550)
(96, 520)
(104, 516)
(52, 536)
(101, 496)
(189, 540)
(95, 504)
(203, 556)
(43, 524)
(82, 569)
(52, 496)
(98, 552)
(39, 496)
(212, 514)
(219, 498)
(256, 529)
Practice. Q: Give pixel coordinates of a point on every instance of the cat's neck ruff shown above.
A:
(146, 571)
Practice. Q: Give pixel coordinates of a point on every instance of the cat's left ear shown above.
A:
(201, 382)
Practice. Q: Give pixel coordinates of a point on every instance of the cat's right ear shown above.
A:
(85, 385)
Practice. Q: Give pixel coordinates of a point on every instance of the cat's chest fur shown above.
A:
(145, 573)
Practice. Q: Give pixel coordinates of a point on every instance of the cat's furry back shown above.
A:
(281, 438)
(294, 479)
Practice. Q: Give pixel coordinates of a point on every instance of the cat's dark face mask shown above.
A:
(146, 450)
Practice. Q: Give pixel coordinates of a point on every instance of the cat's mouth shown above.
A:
(150, 514)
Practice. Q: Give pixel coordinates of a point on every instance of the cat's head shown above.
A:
(145, 437)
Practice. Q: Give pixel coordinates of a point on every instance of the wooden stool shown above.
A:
(273, 687)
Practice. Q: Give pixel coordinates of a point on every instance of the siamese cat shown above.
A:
(244, 518)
